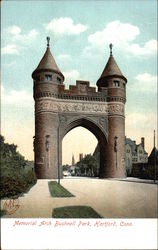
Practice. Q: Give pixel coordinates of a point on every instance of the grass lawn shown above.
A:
(56, 190)
(75, 212)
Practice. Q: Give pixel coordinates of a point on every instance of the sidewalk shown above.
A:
(138, 180)
(111, 198)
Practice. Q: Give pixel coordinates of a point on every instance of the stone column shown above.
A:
(46, 145)
(114, 154)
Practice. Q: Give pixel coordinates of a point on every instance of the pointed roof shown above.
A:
(153, 155)
(111, 69)
(47, 62)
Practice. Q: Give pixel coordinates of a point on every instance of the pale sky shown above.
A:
(80, 34)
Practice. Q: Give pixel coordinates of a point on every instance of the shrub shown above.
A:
(16, 176)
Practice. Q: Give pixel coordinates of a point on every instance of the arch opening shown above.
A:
(95, 155)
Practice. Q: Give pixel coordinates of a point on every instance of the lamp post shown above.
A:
(115, 147)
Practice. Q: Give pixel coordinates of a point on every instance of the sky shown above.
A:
(80, 33)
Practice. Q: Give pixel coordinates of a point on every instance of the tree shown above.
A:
(66, 167)
(89, 165)
(14, 179)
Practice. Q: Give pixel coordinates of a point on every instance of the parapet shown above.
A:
(81, 88)
(80, 91)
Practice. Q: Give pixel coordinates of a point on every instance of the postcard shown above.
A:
(79, 158)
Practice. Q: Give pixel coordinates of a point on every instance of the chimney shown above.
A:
(143, 142)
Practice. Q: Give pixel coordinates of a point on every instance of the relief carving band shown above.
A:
(116, 109)
(61, 106)
(70, 107)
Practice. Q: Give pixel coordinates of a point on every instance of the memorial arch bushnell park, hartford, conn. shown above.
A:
(58, 110)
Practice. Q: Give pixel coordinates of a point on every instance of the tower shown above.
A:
(47, 76)
(112, 84)
(143, 142)
(73, 160)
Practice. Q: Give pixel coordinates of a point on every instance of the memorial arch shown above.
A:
(59, 110)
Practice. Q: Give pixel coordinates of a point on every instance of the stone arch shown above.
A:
(95, 129)
(58, 110)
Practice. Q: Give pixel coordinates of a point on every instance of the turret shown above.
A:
(47, 78)
(47, 75)
(112, 84)
(112, 81)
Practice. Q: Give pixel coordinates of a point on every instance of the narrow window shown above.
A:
(58, 79)
(116, 83)
(48, 77)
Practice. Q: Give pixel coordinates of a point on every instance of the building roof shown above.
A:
(153, 155)
(133, 145)
(140, 144)
(48, 63)
(111, 69)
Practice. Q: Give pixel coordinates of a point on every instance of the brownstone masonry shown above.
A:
(58, 110)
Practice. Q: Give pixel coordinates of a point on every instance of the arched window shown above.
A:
(116, 83)
(58, 79)
(48, 77)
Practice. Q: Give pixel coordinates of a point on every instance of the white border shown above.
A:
(142, 234)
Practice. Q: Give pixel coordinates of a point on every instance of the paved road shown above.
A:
(111, 198)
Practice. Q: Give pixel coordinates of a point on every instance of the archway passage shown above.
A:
(96, 131)
(80, 153)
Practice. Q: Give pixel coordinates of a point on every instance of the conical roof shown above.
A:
(48, 63)
(111, 69)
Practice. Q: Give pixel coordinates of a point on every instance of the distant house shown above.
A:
(134, 153)
(147, 170)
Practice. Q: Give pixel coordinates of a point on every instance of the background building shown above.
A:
(73, 160)
(134, 153)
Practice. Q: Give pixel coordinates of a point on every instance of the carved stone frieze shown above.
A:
(49, 105)
(79, 107)
(116, 108)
